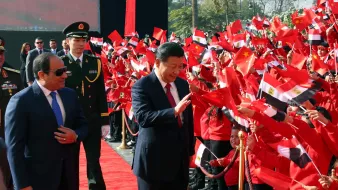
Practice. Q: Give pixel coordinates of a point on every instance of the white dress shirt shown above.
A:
(49, 98)
(173, 90)
(75, 58)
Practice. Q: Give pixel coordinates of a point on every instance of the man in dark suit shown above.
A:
(162, 108)
(32, 54)
(65, 49)
(53, 46)
(43, 125)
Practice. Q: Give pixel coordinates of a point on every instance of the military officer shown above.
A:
(10, 84)
(85, 76)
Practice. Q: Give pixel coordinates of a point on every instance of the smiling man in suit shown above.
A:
(162, 108)
(43, 125)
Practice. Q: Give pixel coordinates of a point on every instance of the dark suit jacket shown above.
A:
(32, 54)
(61, 53)
(162, 148)
(35, 157)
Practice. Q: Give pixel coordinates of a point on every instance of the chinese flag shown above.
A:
(244, 59)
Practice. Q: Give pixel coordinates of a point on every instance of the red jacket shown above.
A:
(231, 177)
(312, 143)
(198, 107)
(329, 134)
(219, 128)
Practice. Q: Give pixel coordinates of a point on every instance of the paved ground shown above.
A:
(126, 154)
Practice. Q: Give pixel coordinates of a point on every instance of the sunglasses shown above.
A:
(39, 42)
(59, 72)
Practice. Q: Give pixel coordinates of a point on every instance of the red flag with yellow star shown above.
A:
(318, 65)
(244, 59)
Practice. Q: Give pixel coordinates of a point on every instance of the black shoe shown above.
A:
(113, 139)
(197, 185)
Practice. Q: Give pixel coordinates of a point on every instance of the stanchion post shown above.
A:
(241, 160)
(123, 143)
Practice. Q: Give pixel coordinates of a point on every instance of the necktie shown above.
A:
(78, 61)
(172, 102)
(66, 52)
(56, 109)
(40, 51)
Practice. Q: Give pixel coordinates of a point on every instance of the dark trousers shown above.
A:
(115, 121)
(23, 77)
(233, 187)
(180, 183)
(92, 146)
(67, 181)
(220, 149)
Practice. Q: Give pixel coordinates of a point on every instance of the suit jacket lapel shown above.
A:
(159, 91)
(180, 91)
(42, 101)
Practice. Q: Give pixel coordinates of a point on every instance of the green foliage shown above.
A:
(213, 15)
(180, 21)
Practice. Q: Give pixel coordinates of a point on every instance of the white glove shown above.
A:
(105, 129)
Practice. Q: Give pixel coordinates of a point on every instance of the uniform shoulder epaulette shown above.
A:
(92, 56)
(10, 69)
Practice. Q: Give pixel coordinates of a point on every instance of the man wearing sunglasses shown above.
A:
(44, 124)
(85, 76)
(32, 54)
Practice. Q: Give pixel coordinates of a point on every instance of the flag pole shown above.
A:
(301, 107)
(241, 160)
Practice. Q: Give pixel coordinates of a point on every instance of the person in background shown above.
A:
(26, 47)
(65, 49)
(53, 46)
(32, 54)
(10, 82)
(86, 78)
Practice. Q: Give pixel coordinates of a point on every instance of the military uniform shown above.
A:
(86, 79)
(11, 83)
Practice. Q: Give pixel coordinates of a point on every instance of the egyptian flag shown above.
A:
(297, 93)
(239, 40)
(122, 50)
(96, 41)
(202, 153)
(199, 37)
(314, 37)
(266, 23)
(268, 90)
(292, 150)
(133, 41)
(240, 122)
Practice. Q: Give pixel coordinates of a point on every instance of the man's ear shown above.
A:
(157, 63)
(41, 74)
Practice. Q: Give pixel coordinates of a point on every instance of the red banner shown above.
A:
(130, 23)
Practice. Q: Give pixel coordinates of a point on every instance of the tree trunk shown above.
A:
(194, 13)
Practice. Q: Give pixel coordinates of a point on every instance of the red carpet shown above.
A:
(116, 171)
